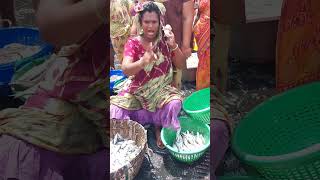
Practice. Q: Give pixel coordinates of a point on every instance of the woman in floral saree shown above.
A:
(120, 25)
(149, 96)
(202, 35)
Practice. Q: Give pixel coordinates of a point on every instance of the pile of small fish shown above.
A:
(115, 78)
(122, 151)
(15, 51)
(188, 141)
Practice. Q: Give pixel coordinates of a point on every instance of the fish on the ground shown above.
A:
(122, 151)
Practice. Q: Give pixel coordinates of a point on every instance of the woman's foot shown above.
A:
(158, 138)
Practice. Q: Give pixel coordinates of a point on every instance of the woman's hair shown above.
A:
(149, 7)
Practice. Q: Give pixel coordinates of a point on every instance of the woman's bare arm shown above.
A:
(179, 59)
(188, 16)
(64, 22)
(129, 67)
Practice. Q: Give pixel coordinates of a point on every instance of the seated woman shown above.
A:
(60, 132)
(148, 60)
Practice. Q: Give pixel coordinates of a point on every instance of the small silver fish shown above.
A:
(122, 151)
(117, 138)
(115, 78)
(188, 141)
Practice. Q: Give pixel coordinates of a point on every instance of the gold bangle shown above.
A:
(175, 48)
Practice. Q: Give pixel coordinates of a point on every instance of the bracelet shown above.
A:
(175, 48)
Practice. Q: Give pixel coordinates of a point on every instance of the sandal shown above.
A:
(159, 142)
(160, 145)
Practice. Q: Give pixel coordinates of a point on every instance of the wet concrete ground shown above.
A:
(24, 13)
(249, 85)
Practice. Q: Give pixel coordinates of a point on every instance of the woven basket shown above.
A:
(130, 130)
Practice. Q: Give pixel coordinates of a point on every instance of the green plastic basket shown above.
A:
(168, 136)
(281, 137)
(197, 105)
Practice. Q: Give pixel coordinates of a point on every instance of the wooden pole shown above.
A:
(221, 55)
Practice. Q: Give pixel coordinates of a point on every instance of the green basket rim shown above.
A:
(205, 147)
(241, 177)
(195, 111)
(285, 160)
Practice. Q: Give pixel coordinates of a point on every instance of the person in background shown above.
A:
(120, 25)
(149, 97)
(202, 36)
(180, 15)
(60, 131)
